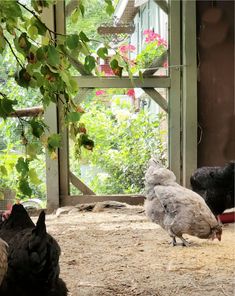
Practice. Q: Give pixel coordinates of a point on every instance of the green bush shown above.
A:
(124, 141)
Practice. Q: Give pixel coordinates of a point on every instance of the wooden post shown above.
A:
(189, 90)
(64, 150)
(174, 103)
(51, 119)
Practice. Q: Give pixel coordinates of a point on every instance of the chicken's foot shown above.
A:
(184, 242)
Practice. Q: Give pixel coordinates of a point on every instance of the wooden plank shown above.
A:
(28, 112)
(81, 199)
(158, 62)
(124, 82)
(157, 97)
(50, 117)
(163, 5)
(80, 185)
(189, 90)
(64, 149)
(174, 102)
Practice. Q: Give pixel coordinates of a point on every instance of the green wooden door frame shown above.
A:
(182, 101)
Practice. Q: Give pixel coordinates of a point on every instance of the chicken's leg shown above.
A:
(174, 241)
(184, 242)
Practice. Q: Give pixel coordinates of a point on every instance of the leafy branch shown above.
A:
(14, 54)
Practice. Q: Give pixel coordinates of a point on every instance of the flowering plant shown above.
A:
(154, 47)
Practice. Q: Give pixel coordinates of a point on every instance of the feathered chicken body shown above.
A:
(3, 259)
(33, 257)
(176, 209)
(216, 186)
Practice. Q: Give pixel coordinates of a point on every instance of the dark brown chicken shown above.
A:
(3, 259)
(33, 257)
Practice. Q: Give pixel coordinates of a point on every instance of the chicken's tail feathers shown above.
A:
(40, 228)
(18, 219)
(38, 239)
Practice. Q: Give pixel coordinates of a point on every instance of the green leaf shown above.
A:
(53, 56)
(89, 63)
(73, 116)
(109, 8)
(75, 16)
(37, 128)
(34, 177)
(2, 44)
(23, 78)
(32, 150)
(7, 105)
(73, 84)
(72, 41)
(102, 52)
(40, 26)
(22, 166)
(3, 170)
(39, 78)
(83, 37)
(22, 44)
(114, 64)
(54, 141)
(66, 77)
(117, 70)
(33, 31)
(41, 53)
(24, 187)
(82, 9)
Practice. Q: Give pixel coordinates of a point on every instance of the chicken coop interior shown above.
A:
(200, 101)
(176, 237)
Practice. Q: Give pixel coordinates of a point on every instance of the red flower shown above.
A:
(131, 92)
(100, 92)
(126, 48)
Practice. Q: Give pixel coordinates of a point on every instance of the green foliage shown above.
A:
(124, 141)
(148, 54)
(35, 69)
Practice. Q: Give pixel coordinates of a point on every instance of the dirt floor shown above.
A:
(119, 252)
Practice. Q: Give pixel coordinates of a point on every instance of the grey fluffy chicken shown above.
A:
(216, 186)
(33, 257)
(176, 209)
(3, 259)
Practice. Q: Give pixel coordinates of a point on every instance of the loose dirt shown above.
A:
(119, 252)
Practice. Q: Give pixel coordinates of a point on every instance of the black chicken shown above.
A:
(216, 186)
(33, 257)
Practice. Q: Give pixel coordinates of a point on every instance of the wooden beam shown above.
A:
(157, 62)
(63, 130)
(157, 97)
(28, 112)
(174, 102)
(189, 50)
(50, 117)
(163, 5)
(81, 199)
(124, 82)
(80, 185)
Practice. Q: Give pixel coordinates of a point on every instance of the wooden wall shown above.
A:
(216, 107)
